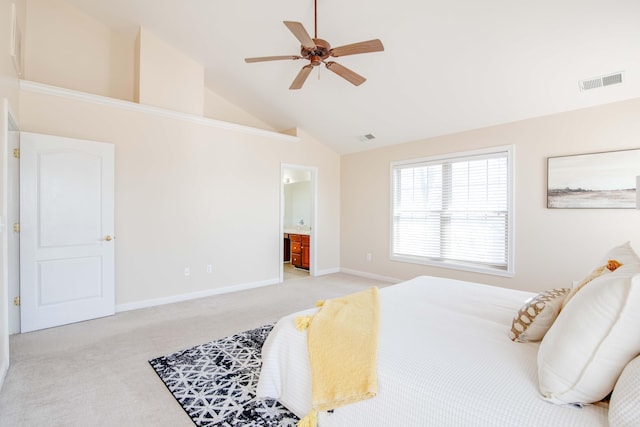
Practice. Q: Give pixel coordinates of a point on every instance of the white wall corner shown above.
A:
(327, 271)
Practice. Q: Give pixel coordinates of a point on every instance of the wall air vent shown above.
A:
(608, 80)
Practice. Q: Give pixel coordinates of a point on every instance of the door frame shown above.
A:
(8, 123)
(13, 202)
(313, 235)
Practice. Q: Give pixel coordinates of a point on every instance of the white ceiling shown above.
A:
(448, 66)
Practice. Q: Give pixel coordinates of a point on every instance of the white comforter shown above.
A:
(444, 359)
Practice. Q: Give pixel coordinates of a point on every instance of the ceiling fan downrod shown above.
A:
(315, 19)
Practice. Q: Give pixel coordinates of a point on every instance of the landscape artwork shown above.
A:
(597, 180)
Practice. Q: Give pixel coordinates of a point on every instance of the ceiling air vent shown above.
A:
(367, 138)
(602, 81)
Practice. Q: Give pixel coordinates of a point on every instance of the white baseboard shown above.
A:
(194, 295)
(370, 275)
(241, 287)
(327, 271)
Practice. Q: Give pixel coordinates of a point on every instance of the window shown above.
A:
(455, 211)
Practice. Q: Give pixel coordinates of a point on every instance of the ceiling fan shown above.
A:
(317, 51)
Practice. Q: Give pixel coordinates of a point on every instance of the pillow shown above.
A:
(537, 315)
(592, 340)
(616, 257)
(623, 253)
(625, 400)
(611, 265)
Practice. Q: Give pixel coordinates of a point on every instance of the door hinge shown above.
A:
(16, 301)
(16, 227)
(16, 153)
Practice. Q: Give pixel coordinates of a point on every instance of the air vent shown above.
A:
(601, 81)
(367, 138)
(612, 79)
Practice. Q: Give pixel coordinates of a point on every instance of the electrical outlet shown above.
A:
(209, 268)
(187, 271)
(369, 256)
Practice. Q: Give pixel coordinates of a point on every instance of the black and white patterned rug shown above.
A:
(215, 383)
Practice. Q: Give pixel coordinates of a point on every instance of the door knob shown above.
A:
(107, 238)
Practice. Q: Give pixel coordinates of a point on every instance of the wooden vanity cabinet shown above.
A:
(304, 249)
(299, 251)
(296, 254)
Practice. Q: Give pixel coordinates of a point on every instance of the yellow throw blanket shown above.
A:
(343, 351)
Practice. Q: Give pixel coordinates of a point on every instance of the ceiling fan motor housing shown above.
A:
(319, 54)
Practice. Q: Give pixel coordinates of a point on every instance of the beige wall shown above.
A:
(70, 49)
(553, 246)
(8, 75)
(217, 107)
(67, 48)
(167, 77)
(190, 195)
(9, 97)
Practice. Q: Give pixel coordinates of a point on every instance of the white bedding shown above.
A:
(444, 359)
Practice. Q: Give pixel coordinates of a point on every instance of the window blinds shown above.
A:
(453, 210)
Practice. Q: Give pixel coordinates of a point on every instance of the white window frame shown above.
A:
(458, 265)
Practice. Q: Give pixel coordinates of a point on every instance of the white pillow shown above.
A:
(624, 406)
(579, 285)
(623, 253)
(592, 340)
(617, 256)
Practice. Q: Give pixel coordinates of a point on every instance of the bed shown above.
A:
(444, 359)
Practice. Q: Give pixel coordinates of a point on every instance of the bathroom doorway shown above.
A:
(298, 216)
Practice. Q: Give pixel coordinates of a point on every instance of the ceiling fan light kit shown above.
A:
(317, 51)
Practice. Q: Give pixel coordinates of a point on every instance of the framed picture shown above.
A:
(596, 180)
(15, 47)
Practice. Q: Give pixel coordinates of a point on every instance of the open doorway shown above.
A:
(297, 222)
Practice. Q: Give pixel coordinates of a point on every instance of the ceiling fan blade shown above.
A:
(271, 58)
(301, 34)
(345, 73)
(356, 48)
(301, 77)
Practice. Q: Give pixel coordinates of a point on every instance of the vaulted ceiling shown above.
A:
(448, 66)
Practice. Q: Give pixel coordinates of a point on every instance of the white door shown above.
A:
(66, 230)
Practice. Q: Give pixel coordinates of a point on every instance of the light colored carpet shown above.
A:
(96, 373)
